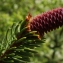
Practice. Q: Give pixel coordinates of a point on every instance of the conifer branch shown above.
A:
(22, 38)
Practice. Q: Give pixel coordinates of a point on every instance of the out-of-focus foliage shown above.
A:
(15, 10)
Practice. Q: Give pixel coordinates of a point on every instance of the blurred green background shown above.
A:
(15, 10)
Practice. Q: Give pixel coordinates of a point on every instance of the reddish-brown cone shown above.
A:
(47, 21)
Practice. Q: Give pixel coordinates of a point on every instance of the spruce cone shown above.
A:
(47, 21)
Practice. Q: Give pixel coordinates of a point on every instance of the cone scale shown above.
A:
(47, 21)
